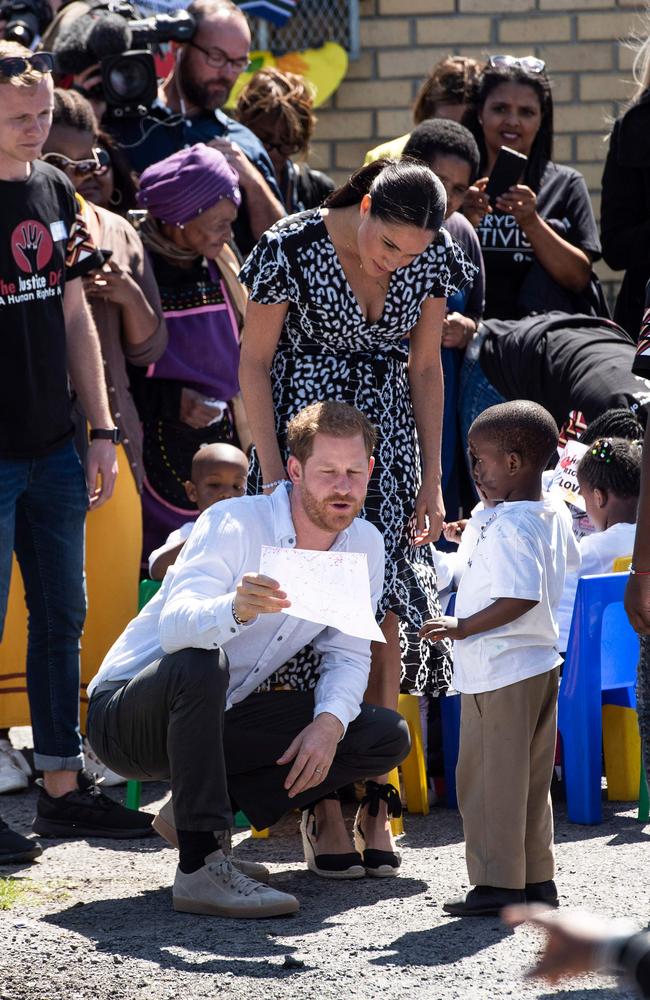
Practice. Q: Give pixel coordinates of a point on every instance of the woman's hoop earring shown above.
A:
(115, 198)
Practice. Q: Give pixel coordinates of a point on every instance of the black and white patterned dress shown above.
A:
(329, 350)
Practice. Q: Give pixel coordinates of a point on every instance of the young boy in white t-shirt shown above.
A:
(506, 663)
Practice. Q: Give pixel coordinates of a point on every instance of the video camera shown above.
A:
(123, 45)
(25, 20)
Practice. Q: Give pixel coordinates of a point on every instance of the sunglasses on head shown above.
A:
(42, 62)
(529, 63)
(99, 163)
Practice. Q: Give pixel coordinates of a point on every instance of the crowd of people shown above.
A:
(209, 349)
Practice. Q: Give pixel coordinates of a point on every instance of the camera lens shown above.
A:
(22, 30)
(129, 82)
(128, 79)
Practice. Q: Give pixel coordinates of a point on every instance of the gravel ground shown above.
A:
(93, 921)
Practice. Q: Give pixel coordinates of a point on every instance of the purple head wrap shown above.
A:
(187, 183)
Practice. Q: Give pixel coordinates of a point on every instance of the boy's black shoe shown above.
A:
(87, 812)
(542, 892)
(483, 901)
(14, 848)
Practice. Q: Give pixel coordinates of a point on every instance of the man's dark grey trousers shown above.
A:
(168, 723)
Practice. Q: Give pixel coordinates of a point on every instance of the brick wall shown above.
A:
(401, 39)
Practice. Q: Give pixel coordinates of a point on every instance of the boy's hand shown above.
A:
(453, 530)
(443, 628)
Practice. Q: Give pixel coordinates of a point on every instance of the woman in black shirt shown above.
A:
(539, 238)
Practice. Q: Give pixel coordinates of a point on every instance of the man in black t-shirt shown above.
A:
(46, 334)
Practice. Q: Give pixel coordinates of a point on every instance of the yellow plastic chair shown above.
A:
(414, 768)
(622, 750)
(621, 740)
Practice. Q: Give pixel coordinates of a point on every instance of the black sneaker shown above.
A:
(14, 848)
(87, 812)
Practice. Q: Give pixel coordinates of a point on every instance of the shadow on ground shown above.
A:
(145, 926)
(443, 944)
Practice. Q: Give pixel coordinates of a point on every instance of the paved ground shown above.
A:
(94, 921)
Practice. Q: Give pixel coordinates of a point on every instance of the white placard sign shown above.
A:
(564, 481)
(330, 588)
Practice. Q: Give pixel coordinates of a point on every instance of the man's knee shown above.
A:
(398, 734)
(201, 672)
(384, 732)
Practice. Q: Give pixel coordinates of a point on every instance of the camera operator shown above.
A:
(188, 108)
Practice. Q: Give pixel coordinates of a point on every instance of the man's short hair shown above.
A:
(30, 77)
(337, 419)
(521, 426)
(200, 9)
(443, 137)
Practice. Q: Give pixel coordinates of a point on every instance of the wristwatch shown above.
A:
(105, 434)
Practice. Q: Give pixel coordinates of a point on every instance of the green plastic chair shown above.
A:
(134, 788)
(643, 815)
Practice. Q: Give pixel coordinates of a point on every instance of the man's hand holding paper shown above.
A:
(258, 595)
(331, 588)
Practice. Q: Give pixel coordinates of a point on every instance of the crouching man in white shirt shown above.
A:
(175, 698)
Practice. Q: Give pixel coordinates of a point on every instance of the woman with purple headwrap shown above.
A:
(191, 395)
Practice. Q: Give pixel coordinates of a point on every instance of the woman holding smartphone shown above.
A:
(539, 236)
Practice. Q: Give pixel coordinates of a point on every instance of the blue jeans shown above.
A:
(476, 392)
(43, 504)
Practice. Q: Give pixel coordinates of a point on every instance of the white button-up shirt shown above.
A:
(193, 608)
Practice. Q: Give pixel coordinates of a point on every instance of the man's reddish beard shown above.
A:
(319, 513)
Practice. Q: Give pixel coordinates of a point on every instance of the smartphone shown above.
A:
(508, 170)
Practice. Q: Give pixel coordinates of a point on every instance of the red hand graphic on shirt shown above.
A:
(31, 245)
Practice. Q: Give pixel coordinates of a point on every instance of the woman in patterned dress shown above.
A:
(346, 302)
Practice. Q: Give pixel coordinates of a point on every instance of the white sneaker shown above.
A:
(165, 827)
(97, 767)
(219, 890)
(14, 769)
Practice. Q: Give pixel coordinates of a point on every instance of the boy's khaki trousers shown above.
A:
(503, 779)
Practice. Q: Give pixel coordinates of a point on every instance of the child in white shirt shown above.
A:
(219, 472)
(506, 662)
(609, 476)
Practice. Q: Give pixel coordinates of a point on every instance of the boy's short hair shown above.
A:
(337, 419)
(443, 137)
(209, 455)
(30, 76)
(521, 426)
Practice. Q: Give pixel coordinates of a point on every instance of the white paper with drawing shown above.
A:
(330, 588)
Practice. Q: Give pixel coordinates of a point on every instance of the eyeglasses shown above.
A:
(42, 62)
(530, 63)
(218, 59)
(99, 163)
(283, 148)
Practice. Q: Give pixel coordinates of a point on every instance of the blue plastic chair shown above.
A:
(600, 668)
(450, 717)
(450, 720)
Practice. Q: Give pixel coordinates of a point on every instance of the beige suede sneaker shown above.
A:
(165, 827)
(219, 890)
